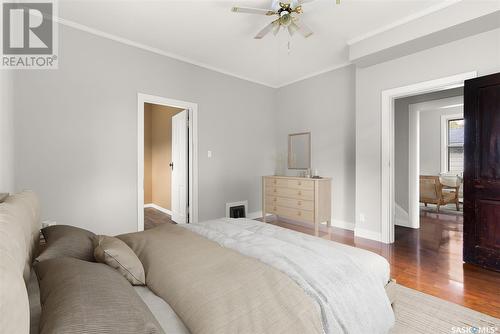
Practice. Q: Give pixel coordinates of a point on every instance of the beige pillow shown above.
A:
(81, 297)
(116, 254)
(67, 241)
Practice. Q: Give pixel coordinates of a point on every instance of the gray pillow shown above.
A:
(80, 297)
(116, 254)
(65, 240)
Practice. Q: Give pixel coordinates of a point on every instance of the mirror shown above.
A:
(299, 150)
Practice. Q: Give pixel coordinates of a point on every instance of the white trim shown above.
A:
(229, 205)
(444, 139)
(159, 208)
(129, 42)
(343, 224)
(401, 217)
(367, 234)
(387, 141)
(402, 21)
(193, 153)
(257, 215)
(326, 70)
(414, 166)
(141, 46)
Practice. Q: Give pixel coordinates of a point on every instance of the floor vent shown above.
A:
(236, 209)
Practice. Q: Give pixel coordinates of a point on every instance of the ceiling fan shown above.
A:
(287, 13)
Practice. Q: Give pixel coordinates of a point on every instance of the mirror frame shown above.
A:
(290, 145)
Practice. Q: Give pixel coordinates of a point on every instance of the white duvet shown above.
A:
(346, 282)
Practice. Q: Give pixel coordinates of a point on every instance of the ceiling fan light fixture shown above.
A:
(285, 18)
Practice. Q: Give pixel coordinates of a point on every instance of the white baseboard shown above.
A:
(367, 234)
(402, 218)
(343, 224)
(256, 214)
(159, 208)
(403, 222)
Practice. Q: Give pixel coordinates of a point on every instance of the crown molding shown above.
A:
(132, 43)
(403, 20)
(314, 74)
(129, 42)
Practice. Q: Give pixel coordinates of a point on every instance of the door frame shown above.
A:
(388, 97)
(193, 153)
(414, 153)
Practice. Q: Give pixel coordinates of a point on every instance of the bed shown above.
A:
(368, 261)
(218, 276)
(345, 284)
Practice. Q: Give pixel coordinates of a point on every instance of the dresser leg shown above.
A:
(328, 223)
(316, 229)
(263, 199)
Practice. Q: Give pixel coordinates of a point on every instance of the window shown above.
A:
(455, 145)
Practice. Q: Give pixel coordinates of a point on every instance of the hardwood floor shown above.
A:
(428, 259)
(153, 217)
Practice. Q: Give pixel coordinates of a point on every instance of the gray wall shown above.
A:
(480, 53)
(6, 133)
(325, 106)
(401, 139)
(76, 132)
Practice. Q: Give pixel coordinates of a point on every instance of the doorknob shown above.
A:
(171, 165)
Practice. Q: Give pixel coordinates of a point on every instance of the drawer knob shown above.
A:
(274, 209)
(299, 213)
(274, 199)
(300, 183)
(300, 192)
(274, 190)
(274, 181)
(299, 203)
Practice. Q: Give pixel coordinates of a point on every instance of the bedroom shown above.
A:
(70, 134)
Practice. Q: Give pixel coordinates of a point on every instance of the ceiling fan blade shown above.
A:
(253, 11)
(266, 30)
(275, 5)
(276, 28)
(303, 29)
(300, 2)
(292, 28)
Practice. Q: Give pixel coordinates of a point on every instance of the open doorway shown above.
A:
(167, 164)
(388, 97)
(429, 164)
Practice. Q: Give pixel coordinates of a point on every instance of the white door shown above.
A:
(180, 167)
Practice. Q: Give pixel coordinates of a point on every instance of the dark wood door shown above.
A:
(482, 172)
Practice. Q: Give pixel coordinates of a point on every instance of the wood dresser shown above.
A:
(297, 198)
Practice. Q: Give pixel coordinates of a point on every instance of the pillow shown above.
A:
(89, 298)
(116, 254)
(70, 241)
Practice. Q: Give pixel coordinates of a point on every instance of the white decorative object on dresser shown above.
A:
(297, 198)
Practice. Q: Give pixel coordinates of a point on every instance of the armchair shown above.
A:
(431, 191)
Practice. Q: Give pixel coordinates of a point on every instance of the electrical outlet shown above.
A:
(209, 154)
(362, 217)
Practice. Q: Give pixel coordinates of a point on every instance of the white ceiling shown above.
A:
(207, 33)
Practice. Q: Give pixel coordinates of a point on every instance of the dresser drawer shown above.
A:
(296, 214)
(290, 203)
(276, 182)
(290, 193)
(300, 184)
